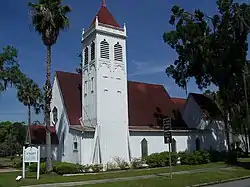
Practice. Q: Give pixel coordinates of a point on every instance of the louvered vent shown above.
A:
(92, 51)
(105, 49)
(118, 52)
(86, 56)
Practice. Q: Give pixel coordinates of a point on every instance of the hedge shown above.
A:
(161, 159)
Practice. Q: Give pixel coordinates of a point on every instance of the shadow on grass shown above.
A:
(243, 163)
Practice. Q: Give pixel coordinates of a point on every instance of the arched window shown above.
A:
(118, 52)
(55, 115)
(104, 49)
(173, 146)
(144, 148)
(92, 50)
(86, 56)
(198, 144)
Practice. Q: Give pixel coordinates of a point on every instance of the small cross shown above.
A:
(104, 3)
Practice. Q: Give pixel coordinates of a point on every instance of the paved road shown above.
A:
(241, 183)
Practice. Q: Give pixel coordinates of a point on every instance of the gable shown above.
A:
(207, 106)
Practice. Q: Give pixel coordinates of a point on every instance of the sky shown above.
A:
(147, 54)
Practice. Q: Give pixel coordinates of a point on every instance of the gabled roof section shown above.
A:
(149, 103)
(207, 105)
(105, 17)
(70, 86)
(38, 134)
(179, 102)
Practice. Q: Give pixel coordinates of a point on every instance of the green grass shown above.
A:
(8, 179)
(179, 180)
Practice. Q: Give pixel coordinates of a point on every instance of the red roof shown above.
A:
(179, 102)
(38, 134)
(70, 85)
(105, 17)
(147, 103)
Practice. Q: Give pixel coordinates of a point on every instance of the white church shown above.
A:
(99, 115)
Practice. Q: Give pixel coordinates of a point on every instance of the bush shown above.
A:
(137, 163)
(195, 157)
(66, 168)
(96, 168)
(161, 159)
(232, 158)
(217, 156)
(121, 163)
(33, 167)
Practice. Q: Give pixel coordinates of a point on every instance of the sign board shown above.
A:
(31, 154)
(167, 127)
(167, 137)
(167, 124)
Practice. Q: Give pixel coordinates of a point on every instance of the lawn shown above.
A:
(8, 179)
(179, 180)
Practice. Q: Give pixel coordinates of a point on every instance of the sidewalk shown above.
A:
(126, 178)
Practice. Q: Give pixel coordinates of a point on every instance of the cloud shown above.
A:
(145, 68)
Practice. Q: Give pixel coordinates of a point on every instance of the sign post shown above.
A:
(167, 127)
(31, 154)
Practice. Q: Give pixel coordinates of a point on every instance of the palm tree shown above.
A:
(29, 93)
(49, 17)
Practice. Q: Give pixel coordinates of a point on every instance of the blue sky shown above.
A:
(147, 55)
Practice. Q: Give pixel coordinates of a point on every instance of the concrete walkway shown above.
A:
(240, 183)
(81, 183)
(8, 170)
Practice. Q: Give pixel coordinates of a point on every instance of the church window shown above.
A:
(118, 52)
(198, 144)
(104, 49)
(173, 146)
(92, 51)
(55, 115)
(75, 144)
(86, 56)
(144, 147)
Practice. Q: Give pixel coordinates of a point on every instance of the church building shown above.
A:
(99, 115)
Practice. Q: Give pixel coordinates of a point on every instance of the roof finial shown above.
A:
(104, 3)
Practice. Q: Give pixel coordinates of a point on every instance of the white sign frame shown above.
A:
(31, 154)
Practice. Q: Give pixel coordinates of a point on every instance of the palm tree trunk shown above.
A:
(48, 96)
(28, 135)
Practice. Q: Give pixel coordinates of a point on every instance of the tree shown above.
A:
(211, 49)
(29, 93)
(79, 70)
(9, 68)
(49, 17)
(12, 137)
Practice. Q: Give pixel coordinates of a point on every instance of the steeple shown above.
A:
(104, 3)
(105, 17)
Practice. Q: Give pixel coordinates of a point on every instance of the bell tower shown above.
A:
(104, 84)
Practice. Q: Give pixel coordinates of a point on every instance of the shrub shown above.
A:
(232, 158)
(33, 167)
(121, 163)
(96, 168)
(66, 168)
(161, 159)
(112, 166)
(137, 163)
(195, 157)
(217, 156)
